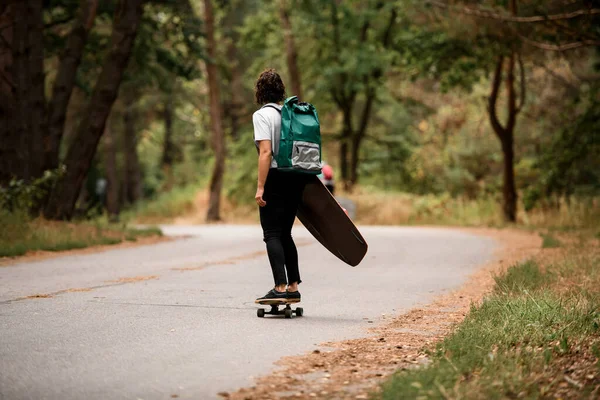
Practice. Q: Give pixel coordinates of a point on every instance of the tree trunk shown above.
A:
(344, 147)
(6, 34)
(290, 49)
(20, 122)
(506, 133)
(359, 135)
(36, 104)
(10, 145)
(370, 96)
(81, 152)
(65, 81)
(133, 175)
(25, 110)
(509, 189)
(509, 192)
(218, 139)
(112, 177)
(354, 160)
(168, 156)
(354, 153)
(236, 109)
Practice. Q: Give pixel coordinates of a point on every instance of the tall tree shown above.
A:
(290, 49)
(354, 30)
(36, 100)
(236, 107)
(65, 81)
(501, 40)
(79, 157)
(32, 131)
(168, 154)
(23, 110)
(169, 149)
(10, 146)
(133, 174)
(506, 133)
(218, 138)
(112, 176)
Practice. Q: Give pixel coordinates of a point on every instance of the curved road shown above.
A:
(177, 318)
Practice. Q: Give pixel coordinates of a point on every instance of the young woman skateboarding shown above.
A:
(278, 193)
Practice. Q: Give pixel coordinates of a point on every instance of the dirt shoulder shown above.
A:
(352, 369)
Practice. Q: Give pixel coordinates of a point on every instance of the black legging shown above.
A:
(283, 191)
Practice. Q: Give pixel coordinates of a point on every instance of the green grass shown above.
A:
(520, 278)
(550, 242)
(20, 234)
(514, 344)
(165, 206)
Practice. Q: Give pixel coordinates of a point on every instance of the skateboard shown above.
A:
(287, 311)
(330, 224)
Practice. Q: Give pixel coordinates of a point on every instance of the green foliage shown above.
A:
(241, 186)
(168, 46)
(571, 164)
(429, 132)
(351, 51)
(454, 57)
(21, 196)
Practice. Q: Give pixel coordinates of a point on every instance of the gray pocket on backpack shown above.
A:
(306, 156)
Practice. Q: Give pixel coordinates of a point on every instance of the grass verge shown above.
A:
(164, 207)
(189, 205)
(550, 242)
(20, 234)
(536, 336)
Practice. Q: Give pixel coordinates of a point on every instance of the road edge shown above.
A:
(355, 368)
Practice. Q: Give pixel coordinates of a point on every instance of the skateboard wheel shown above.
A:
(299, 311)
(260, 312)
(288, 313)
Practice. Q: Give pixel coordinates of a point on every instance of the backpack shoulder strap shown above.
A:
(273, 107)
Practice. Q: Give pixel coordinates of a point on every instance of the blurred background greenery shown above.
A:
(447, 112)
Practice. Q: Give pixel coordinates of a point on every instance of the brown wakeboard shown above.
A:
(327, 221)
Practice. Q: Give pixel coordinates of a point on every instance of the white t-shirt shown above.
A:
(267, 126)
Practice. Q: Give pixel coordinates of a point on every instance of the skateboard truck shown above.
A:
(287, 311)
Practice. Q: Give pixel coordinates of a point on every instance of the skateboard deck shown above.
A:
(287, 311)
(327, 221)
(279, 302)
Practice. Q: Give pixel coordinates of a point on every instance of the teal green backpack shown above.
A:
(300, 142)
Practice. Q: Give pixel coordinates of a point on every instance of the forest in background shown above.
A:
(494, 100)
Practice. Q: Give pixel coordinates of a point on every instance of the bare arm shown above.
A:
(264, 164)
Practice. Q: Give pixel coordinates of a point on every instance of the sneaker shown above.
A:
(293, 297)
(273, 296)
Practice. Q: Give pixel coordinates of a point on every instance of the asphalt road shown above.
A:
(177, 318)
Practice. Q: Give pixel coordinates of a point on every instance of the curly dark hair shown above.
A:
(269, 87)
